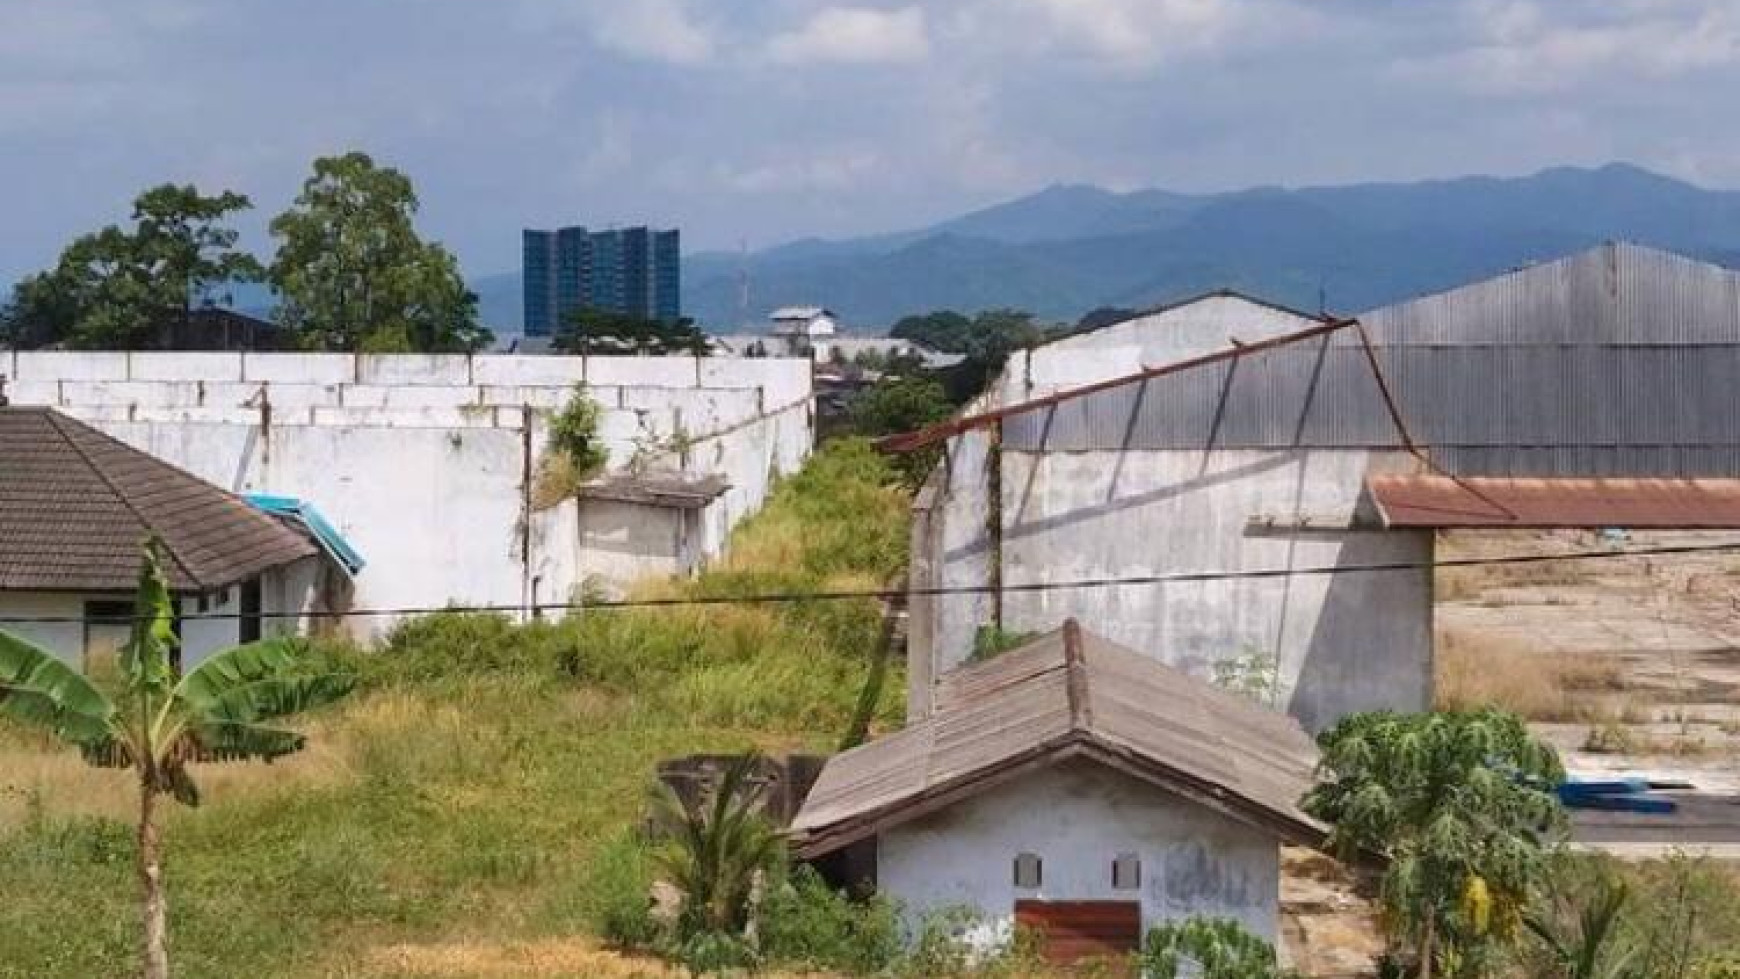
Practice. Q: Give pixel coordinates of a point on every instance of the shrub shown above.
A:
(1215, 948)
(803, 922)
(619, 904)
(459, 644)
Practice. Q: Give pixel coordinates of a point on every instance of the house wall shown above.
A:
(626, 542)
(422, 461)
(284, 592)
(1078, 817)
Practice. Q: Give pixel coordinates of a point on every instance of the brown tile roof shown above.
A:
(1070, 694)
(76, 504)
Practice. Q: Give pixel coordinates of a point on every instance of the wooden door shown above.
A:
(1075, 931)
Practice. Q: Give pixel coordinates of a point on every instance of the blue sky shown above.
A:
(765, 120)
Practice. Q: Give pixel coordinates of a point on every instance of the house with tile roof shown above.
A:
(76, 506)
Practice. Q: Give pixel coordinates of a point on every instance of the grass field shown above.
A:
(442, 822)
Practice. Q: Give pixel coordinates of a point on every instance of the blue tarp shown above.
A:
(305, 514)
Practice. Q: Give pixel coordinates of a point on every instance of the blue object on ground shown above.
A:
(1613, 795)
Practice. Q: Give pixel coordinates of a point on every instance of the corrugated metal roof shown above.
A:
(1438, 501)
(1573, 410)
(1069, 694)
(76, 505)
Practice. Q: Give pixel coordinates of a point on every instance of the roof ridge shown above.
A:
(1075, 680)
(54, 419)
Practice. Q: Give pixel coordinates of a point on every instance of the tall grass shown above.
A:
(463, 793)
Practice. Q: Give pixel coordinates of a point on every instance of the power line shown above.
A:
(886, 594)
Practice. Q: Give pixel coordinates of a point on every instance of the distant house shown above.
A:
(75, 507)
(1075, 787)
(216, 328)
(804, 330)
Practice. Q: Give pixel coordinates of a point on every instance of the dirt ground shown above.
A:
(1647, 647)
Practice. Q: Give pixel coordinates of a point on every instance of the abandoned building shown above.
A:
(1269, 483)
(1074, 787)
(75, 507)
(429, 464)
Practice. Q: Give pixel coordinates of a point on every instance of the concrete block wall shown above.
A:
(421, 461)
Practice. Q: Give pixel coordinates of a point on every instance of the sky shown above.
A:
(759, 121)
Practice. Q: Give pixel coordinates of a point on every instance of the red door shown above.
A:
(1073, 931)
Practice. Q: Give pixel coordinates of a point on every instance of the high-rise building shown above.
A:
(631, 270)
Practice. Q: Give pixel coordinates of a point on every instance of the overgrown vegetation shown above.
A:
(575, 453)
(473, 784)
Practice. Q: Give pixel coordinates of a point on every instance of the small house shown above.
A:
(75, 509)
(1073, 787)
(804, 331)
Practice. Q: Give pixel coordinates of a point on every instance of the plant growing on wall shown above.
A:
(158, 724)
(1459, 807)
(574, 454)
(1253, 674)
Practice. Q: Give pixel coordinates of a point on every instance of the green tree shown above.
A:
(944, 331)
(158, 724)
(1459, 807)
(595, 331)
(717, 848)
(1208, 948)
(353, 274)
(120, 288)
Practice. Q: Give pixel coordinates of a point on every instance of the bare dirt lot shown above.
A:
(1630, 665)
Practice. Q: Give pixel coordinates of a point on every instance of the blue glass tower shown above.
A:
(631, 270)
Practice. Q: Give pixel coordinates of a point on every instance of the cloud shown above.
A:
(1124, 35)
(854, 35)
(1518, 47)
(666, 31)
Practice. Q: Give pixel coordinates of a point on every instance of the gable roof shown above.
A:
(1069, 694)
(76, 504)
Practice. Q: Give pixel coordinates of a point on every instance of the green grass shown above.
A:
(463, 791)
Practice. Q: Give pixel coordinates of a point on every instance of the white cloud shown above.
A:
(1125, 35)
(654, 30)
(1519, 47)
(858, 35)
(828, 171)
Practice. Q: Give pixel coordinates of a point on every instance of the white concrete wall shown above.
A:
(626, 542)
(420, 461)
(1344, 642)
(1078, 818)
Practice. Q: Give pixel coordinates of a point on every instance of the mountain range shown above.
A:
(1070, 248)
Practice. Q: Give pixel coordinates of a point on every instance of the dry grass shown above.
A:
(1474, 671)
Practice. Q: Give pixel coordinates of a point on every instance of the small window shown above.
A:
(1029, 871)
(1127, 872)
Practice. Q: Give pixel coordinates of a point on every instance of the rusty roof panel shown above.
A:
(75, 506)
(1438, 501)
(1039, 702)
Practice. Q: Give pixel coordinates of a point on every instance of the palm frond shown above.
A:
(258, 681)
(215, 740)
(38, 689)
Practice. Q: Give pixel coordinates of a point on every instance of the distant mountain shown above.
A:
(1070, 248)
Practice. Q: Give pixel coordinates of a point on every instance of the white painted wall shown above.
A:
(284, 594)
(626, 542)
(1078, 817)
(420, 461)
(1344, 642)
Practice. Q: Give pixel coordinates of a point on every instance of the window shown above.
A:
(108, 626)
(248, 628)
(1127, 872)
(1029, 871)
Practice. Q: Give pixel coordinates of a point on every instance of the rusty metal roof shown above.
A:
(1439, 501)
(75, 506)
(672, 490)
(1069, 694)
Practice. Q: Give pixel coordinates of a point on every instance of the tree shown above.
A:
(1459, 806)
(353, 273)
(944, 331)
(1101, 316)
(119, 289)
(594, 331)
(1216, 948)
(158, 724)
(718, 848)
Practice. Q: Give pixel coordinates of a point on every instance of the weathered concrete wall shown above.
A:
(1078, 818)
(422, 461)
(1343, 642)
(625, 542)
(998, 518)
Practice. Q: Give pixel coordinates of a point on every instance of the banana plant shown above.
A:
(158, 723)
